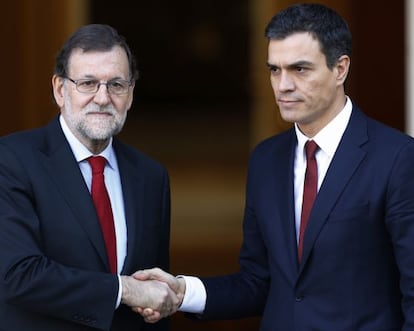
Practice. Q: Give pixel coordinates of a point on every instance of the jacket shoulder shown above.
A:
(276, 143)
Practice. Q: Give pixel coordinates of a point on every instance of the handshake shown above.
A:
(152, 293)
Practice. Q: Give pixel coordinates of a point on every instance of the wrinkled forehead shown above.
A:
(96, 63)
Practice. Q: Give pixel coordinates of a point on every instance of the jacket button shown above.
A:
(299, 298)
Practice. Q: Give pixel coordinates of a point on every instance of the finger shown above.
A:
(152, 320)
(155, 317)
(153, 274)
(141, 312)
(137, 310)
(157, 274)
(147, 312)
(142, 275)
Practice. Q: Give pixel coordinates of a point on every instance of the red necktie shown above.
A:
(310, 188)
(103, 208)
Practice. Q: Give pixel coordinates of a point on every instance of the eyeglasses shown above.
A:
(90, 86)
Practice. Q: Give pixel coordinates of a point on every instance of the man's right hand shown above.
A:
(150, 293)
(176, 284)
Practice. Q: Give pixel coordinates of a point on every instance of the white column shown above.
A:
(409, 63)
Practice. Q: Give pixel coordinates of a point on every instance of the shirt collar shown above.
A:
(329, 137)
(79, 150)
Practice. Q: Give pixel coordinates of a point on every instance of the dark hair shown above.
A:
(326, 25)
(93, 37)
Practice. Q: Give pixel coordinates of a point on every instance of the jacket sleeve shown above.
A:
(400, 222)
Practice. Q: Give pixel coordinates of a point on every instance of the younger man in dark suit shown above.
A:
(352, 266)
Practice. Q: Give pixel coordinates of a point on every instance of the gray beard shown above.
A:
(91, 128)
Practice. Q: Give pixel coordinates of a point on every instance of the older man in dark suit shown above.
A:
(72, 233)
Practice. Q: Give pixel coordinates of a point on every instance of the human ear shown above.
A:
(57, 83)
(342, 68)
(131, 95)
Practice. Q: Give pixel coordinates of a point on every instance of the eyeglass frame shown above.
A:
(76, 81)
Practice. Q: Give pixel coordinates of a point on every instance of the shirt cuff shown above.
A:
(195, 296)
(118, 299)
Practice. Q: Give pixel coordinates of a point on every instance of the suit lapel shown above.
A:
(344, 163)
(133, 193)
(275, 195)
(285, 194)
(63, 169)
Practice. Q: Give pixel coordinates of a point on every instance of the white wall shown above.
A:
(409, 19)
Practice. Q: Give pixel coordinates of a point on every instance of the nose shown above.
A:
(286, 82)
(102, 96)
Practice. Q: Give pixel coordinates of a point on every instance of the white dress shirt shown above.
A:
(328, 140)
(113, 186)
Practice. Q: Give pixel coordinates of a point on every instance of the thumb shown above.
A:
(141, 275)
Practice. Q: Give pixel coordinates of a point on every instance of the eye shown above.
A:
(274, 69)
(117, 84)
(301, 69)
(87, 83)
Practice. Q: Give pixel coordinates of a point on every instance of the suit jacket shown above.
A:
(53, 265)
(357, 269)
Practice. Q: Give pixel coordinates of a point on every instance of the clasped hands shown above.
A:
(153, 293)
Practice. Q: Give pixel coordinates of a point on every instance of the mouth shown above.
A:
(101, 113)
(286, 102)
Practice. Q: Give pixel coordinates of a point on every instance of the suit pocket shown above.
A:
(349, 214)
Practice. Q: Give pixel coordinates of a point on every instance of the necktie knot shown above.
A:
(310, 149)
(97, 164)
